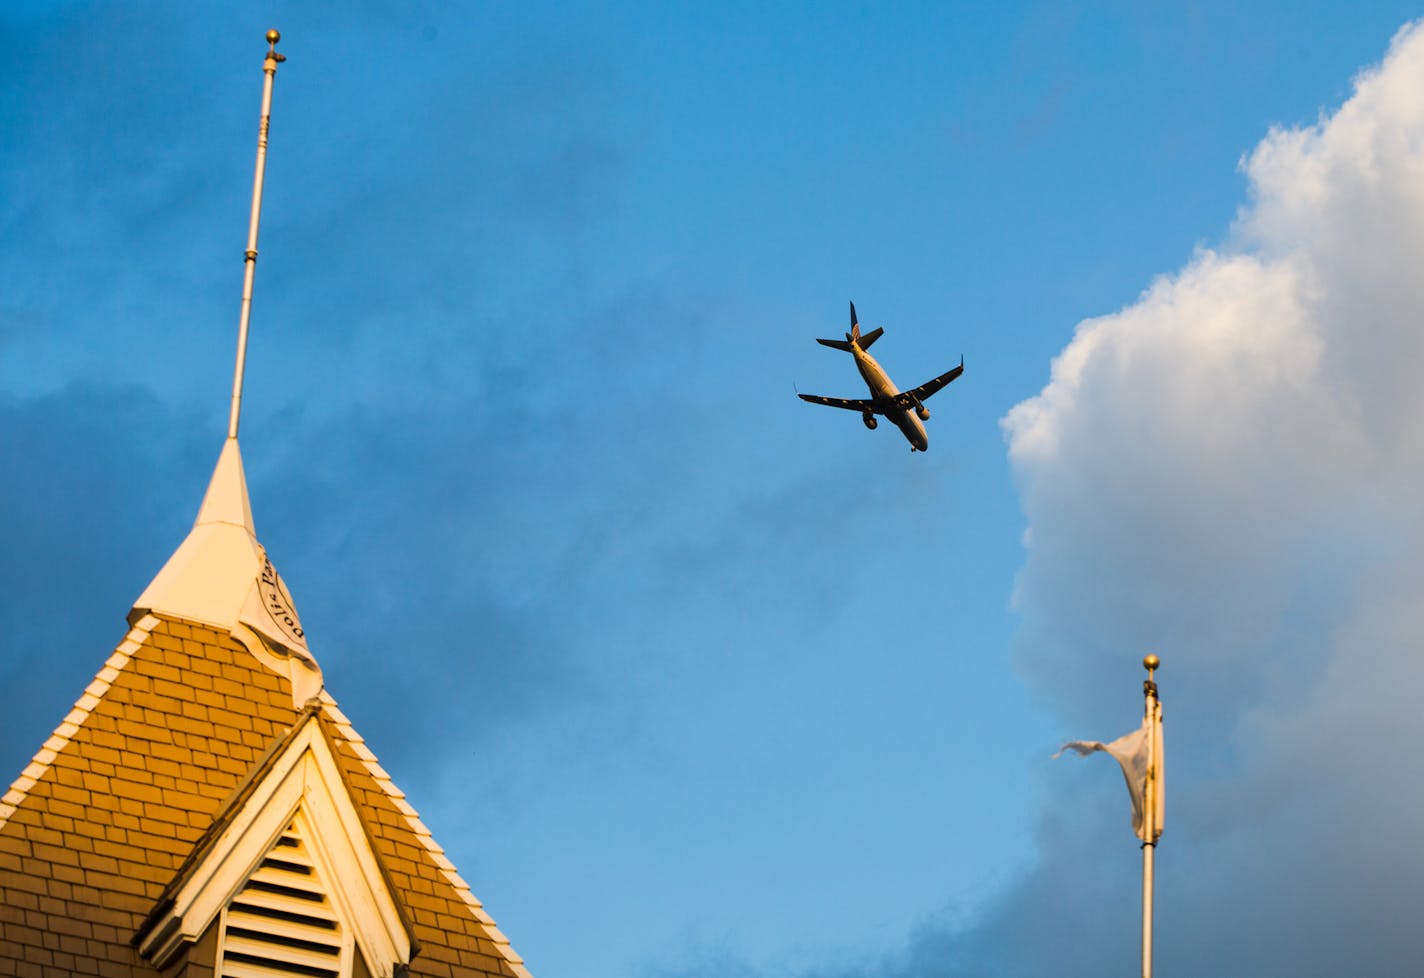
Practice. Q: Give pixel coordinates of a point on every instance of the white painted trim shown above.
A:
(74, 720)
(304, 777)
(422, 834)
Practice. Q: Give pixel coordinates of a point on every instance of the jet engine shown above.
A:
(922, 412)
(869, 420)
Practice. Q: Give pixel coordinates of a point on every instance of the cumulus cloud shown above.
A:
(1228, 473)
(1242, 436)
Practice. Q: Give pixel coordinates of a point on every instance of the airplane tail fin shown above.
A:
(854, 337)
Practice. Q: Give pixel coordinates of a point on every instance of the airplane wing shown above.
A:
(840, 402)
(919, 395)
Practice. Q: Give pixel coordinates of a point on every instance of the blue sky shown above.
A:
(688, 676)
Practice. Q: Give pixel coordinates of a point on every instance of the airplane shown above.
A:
(904, 409)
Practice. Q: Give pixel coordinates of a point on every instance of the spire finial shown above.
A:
(269, 68)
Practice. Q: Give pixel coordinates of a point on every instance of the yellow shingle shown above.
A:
(137, 775)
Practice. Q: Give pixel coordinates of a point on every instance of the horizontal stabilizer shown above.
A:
(868, 338)
(836, 344)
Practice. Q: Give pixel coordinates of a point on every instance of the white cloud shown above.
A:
(1230, 472)
(1189, 452)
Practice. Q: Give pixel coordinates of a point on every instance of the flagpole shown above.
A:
(269, 68)
(1149, 809)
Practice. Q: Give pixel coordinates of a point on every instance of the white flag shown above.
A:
(1134, 752)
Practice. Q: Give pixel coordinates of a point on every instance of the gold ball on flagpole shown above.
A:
(273, 37)
(1150, 662)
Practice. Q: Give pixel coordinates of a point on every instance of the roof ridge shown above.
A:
(422, 833)
(69, 726)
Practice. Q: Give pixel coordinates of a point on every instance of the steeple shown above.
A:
(221, 575)
(207, 809)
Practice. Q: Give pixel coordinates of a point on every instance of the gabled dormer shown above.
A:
(287, 873)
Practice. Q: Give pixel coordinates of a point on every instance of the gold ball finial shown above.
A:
(274, 36)
(1151, 662)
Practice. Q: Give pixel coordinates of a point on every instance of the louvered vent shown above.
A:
(281, 923)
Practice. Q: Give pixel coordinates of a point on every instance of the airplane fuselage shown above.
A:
(883, 389)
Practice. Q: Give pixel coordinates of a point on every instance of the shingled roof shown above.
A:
(148, 776)
(205, 810)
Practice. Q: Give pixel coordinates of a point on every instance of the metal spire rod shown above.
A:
(1149, 808)
(269, 68)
